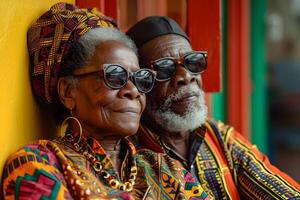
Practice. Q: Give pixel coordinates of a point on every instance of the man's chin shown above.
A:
(182, 109)
(175, 122)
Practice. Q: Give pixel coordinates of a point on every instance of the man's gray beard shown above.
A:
(193, 118)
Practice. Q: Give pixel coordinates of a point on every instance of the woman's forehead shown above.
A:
(113, 52)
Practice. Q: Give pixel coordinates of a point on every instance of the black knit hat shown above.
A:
(152, 27)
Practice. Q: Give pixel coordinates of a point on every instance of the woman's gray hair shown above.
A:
(83, 50)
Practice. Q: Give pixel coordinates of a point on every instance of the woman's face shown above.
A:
(106, 112)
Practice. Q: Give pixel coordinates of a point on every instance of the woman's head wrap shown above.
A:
(49, 40)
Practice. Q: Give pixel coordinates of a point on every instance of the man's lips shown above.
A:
(188, 97)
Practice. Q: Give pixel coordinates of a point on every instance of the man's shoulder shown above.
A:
(218, 127)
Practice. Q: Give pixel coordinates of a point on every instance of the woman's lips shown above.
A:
(128, 110)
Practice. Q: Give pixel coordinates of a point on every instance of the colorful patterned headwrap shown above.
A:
(49, 40)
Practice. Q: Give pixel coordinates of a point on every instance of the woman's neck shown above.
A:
(112, 147)
(110, 143)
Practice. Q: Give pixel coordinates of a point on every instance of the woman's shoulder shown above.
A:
(37, 152)
(33, 170)
(46, 152)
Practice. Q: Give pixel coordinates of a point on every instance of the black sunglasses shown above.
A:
(116, 76)
(195, 62)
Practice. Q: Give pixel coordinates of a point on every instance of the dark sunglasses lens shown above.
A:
(144, 80)
(115, 76)
(195, 62)
(165, 69)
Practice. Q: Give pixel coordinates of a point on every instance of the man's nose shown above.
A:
(182, 77)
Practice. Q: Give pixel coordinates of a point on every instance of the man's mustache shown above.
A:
(183, 92)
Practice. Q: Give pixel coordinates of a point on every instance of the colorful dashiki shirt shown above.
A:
(226, 164)
(54, 170)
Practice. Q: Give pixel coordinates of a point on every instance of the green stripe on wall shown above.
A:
(258, 74)
(219, 99)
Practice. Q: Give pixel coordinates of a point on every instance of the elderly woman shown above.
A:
(85, 68)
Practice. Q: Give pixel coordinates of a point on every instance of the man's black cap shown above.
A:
(152, 27)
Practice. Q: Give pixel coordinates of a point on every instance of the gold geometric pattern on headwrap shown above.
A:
(50, 38)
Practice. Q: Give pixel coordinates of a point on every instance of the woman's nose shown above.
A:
(129, 91)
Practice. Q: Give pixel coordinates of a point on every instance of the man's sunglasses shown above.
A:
(195, 62)
(116, 76)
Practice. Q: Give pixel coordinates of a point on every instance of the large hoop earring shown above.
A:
(69, 137)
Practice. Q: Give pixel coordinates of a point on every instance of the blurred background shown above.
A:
(252, 81)
(283, 65)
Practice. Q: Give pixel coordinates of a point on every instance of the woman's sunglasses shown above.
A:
(195, 62)
(116, 76)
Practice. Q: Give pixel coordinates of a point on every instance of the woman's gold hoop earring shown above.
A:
(69, 137)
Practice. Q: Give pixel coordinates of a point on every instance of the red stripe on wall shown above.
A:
(111, 9)
(238, 74)
(147, 8)
(99, 4)
(204, 28)
(108, 7)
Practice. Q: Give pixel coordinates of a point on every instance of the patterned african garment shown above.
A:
(226, 164)
(54, 170)
(165, 179)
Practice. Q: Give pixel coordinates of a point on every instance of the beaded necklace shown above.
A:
(84, 148)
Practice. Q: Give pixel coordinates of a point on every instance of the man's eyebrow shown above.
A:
(179, 53)
(184, 52)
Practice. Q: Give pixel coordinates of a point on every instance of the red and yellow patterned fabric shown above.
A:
(226, 165)
(54, 170)
(50, 38)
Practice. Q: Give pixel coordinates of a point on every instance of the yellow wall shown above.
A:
(21, 121)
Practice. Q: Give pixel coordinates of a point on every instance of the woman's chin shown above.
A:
(129, 129)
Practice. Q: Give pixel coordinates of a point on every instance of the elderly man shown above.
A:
(175, 121)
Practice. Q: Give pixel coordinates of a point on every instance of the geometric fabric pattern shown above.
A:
(40, 185)
(226, 165)
(53, 170)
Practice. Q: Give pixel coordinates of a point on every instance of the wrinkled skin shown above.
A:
(170, 45)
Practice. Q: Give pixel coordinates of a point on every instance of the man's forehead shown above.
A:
(170, 45)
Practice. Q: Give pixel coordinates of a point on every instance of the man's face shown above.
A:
(177, 104)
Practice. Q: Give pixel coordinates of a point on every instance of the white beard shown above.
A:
(193, 118)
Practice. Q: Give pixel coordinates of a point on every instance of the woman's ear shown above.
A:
(66, 93)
